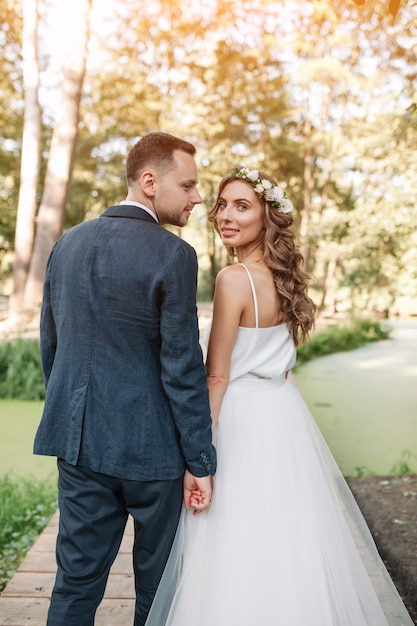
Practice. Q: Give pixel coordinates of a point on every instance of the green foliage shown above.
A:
(26, 506)
(21, 375)
(363, 471)
(20, 370)
(403, 466)
(353, 335)
(10, 119)
(308, 106)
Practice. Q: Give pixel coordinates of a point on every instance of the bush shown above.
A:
(21, 375)
(26, 506)
(20, 370)
(357, 333)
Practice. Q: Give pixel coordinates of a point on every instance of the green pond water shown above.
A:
(364, 402)
(18, 423)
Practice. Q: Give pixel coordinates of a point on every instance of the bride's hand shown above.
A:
(197, 492)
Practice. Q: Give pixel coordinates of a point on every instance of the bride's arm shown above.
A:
(228, 305)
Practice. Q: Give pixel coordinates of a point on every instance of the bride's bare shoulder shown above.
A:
(232, 273)
(232, 286)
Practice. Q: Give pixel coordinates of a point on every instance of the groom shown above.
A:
(126, 409)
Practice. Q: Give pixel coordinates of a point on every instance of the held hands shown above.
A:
(197, 492)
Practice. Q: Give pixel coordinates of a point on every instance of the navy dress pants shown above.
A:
(93, 512)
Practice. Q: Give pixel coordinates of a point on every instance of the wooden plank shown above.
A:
(23, 611)
(25, 600)
(45, 543)
(52, 527)
(39, 585)
(43, 562)
(33, 612)
(115, 612)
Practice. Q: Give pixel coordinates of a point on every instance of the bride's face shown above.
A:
(240, 215)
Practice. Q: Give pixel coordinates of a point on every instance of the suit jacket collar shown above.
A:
(128, 210)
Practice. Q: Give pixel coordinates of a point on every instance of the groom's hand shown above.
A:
(197, 492)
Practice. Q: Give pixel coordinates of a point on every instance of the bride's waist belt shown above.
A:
(252, 380)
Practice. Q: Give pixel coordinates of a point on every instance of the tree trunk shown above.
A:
(308, 183)
(59, 168)
(329, 288)
(30, 159)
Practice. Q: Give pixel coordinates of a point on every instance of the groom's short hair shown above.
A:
(155, 150)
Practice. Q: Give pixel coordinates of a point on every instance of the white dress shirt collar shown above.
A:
(141, 206)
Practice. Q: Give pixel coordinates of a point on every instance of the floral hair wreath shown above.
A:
(264, 189)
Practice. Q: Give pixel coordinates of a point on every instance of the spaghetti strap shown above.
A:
(255, 300)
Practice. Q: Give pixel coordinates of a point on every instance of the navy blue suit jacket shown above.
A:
(126, 390)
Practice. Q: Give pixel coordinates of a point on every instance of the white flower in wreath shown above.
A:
(252, 175)
(286, 205)
(274, 195)
(266, 184)
(264, 189)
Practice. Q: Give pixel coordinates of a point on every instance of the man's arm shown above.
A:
(47, 326)
(182, 369)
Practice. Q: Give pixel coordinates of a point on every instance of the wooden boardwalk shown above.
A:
(25, 600)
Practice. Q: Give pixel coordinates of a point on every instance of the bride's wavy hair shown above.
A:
(284, 259)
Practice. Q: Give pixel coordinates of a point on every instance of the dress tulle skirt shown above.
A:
(284, 542)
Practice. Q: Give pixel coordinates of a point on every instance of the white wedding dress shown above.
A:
(284, 542)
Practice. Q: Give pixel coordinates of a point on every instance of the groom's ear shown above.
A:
(147, 183)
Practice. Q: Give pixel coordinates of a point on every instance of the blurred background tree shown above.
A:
(319, 93)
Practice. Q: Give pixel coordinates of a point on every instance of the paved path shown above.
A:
(25, 600)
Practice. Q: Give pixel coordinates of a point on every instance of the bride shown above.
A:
(284, 542)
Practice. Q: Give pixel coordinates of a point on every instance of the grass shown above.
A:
(352, 335)
(404, 465)
(20, 370)
(26, 506)
(28, 492)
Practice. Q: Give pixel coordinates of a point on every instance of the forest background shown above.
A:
(319, 93)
